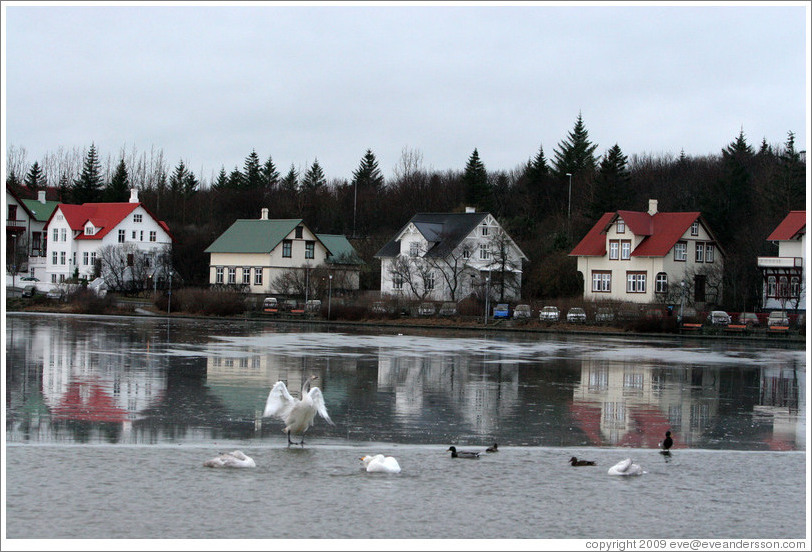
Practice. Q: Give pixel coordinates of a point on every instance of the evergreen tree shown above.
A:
(88, 187)
(252, 172)
(726, 202)
(35, 179)
(537, 169)
(314, 178)
(13, 181)
(270, 176)
(475, 182)
(236, 180)
(64, 189)
(118, 188)
(368, 175)
(788, 189)
(576, 154)
(177, 182)
(221, 182)
(290, 183)
(611, 183)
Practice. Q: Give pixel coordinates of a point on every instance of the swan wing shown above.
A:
(279, 402)
(318, 403)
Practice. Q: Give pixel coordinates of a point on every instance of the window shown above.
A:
(218, 275)
(141, 236)
(12, 212)
(55, 237)
(36, 243)
(635, 282)
(625, 250)
(466, 253)
(485, 230)
(152, 236)
(121, 236)
(93, 258)
(614, 248)
(246, 276)
(794, 286)
(89, 230)
(258, 276)
(74, 258)
(62, 257)
(85, 258)
(134, 235)
(298, 232)
(53, 278)
(64, 233)
(286, 248)
(54, 258)
(414, 249)
(310, 249)
(601, 281)
(661, 284)
(621, 226)
(700, 252)
(680, 251)
(770, 285)
(695, 228)
(783, 289)
(484, 251)
(232, 275)
(137, 218)
(709, 253)
(429, 281)
(397, 283)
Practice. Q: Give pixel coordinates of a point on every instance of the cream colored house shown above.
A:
(651, 257)
(783, 286)
(281, 256)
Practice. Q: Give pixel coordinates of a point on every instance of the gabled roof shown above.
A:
(21, 202)
(253, 236)
(104, 216)
(40, 211)
(793, 225)
(341, 250)
(660, 232)
(443, 231)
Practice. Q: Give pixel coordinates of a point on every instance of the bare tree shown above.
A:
(409, 164)
(454, 267)
(414, 273)
(504, 264)
(127, 268)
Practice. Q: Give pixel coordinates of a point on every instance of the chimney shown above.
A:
(41, 196)
(470, 209)
(264, 215)
(652, 207)
(134, 195)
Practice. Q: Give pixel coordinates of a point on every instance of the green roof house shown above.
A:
(282, 256)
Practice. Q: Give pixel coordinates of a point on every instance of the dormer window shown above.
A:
(621, 226)
(89, 230)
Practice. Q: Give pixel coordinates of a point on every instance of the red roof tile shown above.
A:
(104, 216)
(594, 243)
(792, 225)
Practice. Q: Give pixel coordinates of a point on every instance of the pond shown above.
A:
(109, 421)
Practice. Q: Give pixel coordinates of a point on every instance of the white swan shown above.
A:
(297, 414)
(235, 459)
(381, 463)
(626, 467)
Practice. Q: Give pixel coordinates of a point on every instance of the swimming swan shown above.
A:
(462, 453)
(381, 463)
(297, 414)
(626, 467)
(235, 459)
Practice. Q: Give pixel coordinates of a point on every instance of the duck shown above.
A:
(493, 448)
(381, 463)
(462, 453)
(575, 462)
(626, 467)
(298, 415)
(234, 459)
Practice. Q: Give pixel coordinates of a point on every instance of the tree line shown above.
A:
(546, 204)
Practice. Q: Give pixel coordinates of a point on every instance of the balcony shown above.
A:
(780, 262)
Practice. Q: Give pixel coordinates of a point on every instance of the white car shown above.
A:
(522, 311)
(576, 315)
(719, 318)
(549, 314)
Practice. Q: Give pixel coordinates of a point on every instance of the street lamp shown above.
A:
(329, 296)
(681, 300)
(487, 298)
(569, 200)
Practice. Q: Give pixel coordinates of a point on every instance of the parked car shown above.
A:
(289, 305)
(502, 310)
(448, 309)
(604, 315)
(313, 306)
(270, 304)
(426, 309)
(28, 291)
(54, 293)
(748, 319)
(719, 318)
(380, 307)
(522, 311)
(576, 315)
(549, 314)
(778, 318)
(29, 279)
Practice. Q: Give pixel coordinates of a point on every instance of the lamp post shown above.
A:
(354, 202)
(487, 298)
(329, 296)
(569, 202)
(681, 300)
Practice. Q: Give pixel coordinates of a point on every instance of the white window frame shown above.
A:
(699, 255)
(484, 251)
(85, 258)
(122, 235)
(709, 252)
(246, 276)
(55, 237)
(635, 282)
(661, 283)
(137, 217)
(62, 257)
(681, 251)
(218, 275)
(625, 250)
(414, 249)
(601, 281)
(64, 234)
(695, 228)
(258, 276)
(287, 249)
(232, 275)
(153, 236)
(614, 250)
(430, 281)
(621, 226)
(310, 250)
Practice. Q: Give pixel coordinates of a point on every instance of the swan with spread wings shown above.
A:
(298, 415)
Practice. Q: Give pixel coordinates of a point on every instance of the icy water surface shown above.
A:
(109, 421)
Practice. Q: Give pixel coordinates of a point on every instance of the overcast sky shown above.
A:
(299, 82)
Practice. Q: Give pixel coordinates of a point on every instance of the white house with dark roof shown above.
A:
(449, 256)
(784, 275)
(278, 255)
(651, 257)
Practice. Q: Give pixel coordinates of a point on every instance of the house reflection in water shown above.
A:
(782, 405)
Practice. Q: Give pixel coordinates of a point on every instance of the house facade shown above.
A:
(41, 210)
(121, 242)
(20, 223)
(449, 256)
(651, 257)
(784, 276)
(282, 256)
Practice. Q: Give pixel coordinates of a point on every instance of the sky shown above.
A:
(297, 81)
